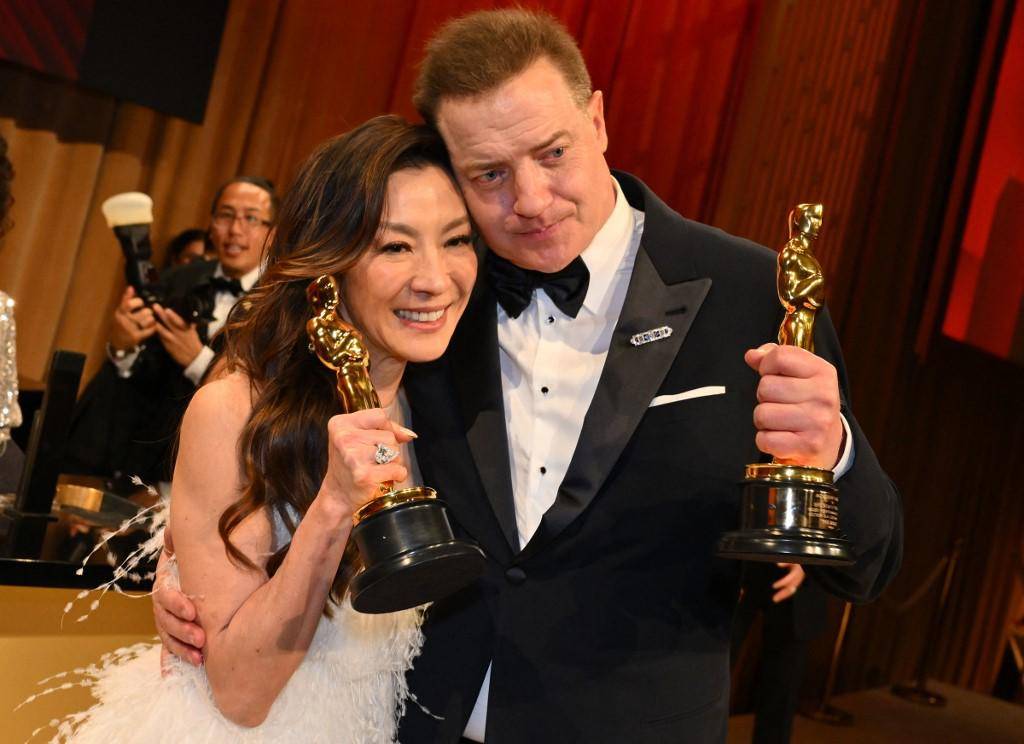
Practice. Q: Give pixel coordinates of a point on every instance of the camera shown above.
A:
(130, 215)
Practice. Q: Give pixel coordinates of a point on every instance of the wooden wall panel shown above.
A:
(72, 149)
(861, 105)
(54, 135)
(943, 423)
(806, 119)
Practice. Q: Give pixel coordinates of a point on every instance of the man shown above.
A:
(597, 473)
(129, 415)
(604, 615)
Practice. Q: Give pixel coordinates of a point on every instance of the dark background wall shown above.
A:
(733, 111)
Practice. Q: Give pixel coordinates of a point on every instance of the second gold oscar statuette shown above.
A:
(790, 512)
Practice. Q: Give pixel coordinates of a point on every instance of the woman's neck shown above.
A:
(386, 376)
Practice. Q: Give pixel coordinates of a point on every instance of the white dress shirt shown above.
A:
(550, 367)
(223, 301)
(551, 363)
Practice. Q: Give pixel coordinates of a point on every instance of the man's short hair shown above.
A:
(474, 54)
(264, 183)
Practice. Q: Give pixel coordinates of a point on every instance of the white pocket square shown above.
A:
(700, 392)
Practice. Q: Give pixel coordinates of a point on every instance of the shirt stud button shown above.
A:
(551, 319)
(544, 390)
(543, 470)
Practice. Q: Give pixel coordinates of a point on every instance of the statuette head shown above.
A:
(322, 294)
(805, 219)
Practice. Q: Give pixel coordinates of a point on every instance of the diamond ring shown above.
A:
(384, 454)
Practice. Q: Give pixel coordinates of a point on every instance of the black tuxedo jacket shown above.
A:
(128, 426)
(613, 623)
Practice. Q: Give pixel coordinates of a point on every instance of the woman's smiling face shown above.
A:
(409, 289)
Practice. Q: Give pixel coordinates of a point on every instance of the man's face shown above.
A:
(531, 165)
(239, 228)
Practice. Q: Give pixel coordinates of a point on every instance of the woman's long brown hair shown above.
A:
(328, 219)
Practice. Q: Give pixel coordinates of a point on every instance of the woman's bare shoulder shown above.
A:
(208, 447)
(222, 404)
(208, 479)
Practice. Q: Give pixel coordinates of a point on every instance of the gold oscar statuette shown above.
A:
(409, 554)
(790, 512)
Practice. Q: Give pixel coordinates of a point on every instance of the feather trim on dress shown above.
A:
(349, 689)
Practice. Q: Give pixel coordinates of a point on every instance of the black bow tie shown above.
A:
(224, 284)
(514, 286)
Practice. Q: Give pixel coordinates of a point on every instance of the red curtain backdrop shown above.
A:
(986, 305)
(669, 71)
(291, 74)
(47, 35)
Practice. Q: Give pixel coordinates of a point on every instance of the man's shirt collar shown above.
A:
(246, 280)
(604, 256)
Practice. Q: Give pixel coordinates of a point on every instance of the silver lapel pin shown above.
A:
(646, 337)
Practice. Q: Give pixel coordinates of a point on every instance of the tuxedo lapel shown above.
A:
(629, 381)
(476, 374)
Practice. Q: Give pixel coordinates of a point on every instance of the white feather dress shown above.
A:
(350, 688)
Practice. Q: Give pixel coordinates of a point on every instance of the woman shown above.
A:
(267, 479)
(11, 459)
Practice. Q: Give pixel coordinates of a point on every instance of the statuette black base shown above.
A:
(813, 547)
(410, 557)
(789, 514)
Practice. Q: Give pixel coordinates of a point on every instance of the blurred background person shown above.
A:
(11, 457)
(128, 416)
(188, 246)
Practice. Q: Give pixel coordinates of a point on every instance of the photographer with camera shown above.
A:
(160, 343)
(240, 220)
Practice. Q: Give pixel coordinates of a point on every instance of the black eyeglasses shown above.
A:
(224, 219)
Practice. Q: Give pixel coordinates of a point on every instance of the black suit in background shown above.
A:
(787, 629)
(128, 426)
(613, 623)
